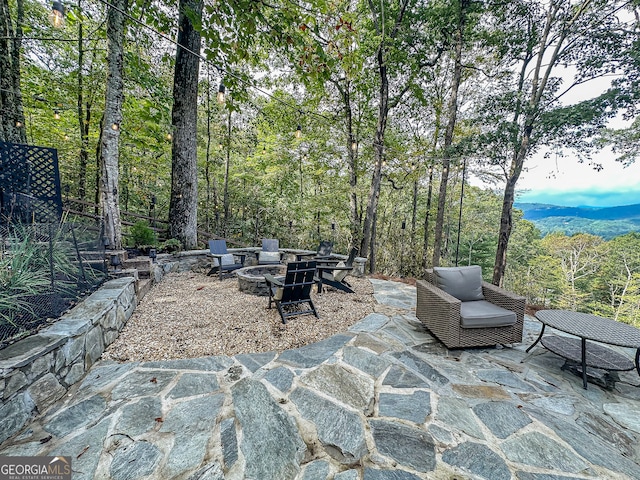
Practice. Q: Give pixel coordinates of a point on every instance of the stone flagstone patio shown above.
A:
(383, 401)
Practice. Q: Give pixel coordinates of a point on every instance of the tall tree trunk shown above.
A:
(302, 156)
(83, 119)
(98, 191)
(448, 136)
(212, 190)
(114, 97)
(628, 282)
(378, 148)
(183, 206)
(545, 62)
(414, 221)
(425, 253)
(15, 74)
(464, 171)
(506, 218)
(7, 123)
(352, 160)
(372, 256)
(381, 125)
(12, 123)
(426, 260)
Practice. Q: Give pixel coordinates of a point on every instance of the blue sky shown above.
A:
(568, 183)
(563, 181)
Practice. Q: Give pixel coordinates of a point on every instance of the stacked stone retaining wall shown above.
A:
(39, 370)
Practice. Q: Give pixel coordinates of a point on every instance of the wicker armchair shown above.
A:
(440, 313)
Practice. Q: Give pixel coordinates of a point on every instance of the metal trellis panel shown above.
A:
(29, 184)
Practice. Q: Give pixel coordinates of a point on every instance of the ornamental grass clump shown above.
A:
(41, 276)
(22, 275)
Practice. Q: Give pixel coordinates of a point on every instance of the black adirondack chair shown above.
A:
(324, 250)
(223, 261)
(334, 272)
(295, 290)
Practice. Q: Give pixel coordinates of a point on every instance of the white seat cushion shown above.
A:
(483, 314)
(269, 256)
(339, 275)
(278, 294)
(227, 259)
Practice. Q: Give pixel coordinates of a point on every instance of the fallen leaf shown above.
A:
(200, 288)
(154, 380)
(159, 419)
(46, 439)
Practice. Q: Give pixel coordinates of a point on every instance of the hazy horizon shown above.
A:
(567, 182)
(582, 198)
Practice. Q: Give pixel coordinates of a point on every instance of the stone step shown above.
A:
(141, 263)
(124, 272)
(142, 287)
(94, 264)
(144, 274)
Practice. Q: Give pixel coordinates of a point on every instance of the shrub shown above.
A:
(171, 245)
(141, 234)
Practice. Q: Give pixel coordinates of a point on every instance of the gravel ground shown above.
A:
(190, 315)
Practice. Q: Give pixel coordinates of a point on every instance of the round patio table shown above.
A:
(589, 327)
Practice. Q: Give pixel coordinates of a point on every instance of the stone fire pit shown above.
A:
(251, 279)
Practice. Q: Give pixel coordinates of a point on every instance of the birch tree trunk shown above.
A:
(183, 206)
(109, 151)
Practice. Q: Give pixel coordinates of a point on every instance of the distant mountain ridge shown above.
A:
(606, 222)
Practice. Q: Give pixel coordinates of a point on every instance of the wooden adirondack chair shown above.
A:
(324, 250)
(270, 253)
(334, 272)
(294, 290)
(223, 261)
